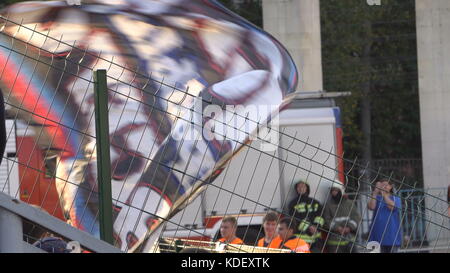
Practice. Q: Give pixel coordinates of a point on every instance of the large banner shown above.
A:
(181, 78)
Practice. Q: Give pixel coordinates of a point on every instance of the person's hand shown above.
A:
(385, 191)
(377, 188)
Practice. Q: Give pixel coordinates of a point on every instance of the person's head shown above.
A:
(302, 188)
(386, 185)
(287, 228)
(270, 222)
(337, 190)
(228, 227)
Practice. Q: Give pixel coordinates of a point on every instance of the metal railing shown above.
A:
(13, 215)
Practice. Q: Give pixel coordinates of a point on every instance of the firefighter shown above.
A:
(341, 221)
(308, 212)
(271, 238)
(228, 231)
(286, 230)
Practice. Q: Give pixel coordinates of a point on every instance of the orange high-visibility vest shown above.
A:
(236, 241)
(275, 243)
(297, 245)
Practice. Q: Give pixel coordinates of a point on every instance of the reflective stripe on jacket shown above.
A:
(309, 238)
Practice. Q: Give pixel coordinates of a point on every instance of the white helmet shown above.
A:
(337, 185)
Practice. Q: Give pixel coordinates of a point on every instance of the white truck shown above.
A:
(254, 181)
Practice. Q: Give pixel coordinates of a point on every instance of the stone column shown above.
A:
(296, 24)
(433, 49)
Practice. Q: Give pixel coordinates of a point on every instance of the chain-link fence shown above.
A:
(407, 170)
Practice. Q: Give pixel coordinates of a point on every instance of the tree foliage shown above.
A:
(368, 44)
(4, 3)
(389, 66)
(248, 9)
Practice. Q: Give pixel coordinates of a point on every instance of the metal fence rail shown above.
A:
(13, 214)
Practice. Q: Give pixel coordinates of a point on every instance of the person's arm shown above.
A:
(373, 199)
(317, 219)
(388, 199)
(328, 217)
(318, 216)
(304, 226)
(330, 224)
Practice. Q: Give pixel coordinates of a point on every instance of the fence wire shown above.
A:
(42, 165)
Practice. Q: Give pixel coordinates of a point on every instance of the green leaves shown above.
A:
(389, 66)
(248, 9)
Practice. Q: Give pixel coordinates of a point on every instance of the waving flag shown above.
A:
(167, 62)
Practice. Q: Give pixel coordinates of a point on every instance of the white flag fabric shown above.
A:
(173, 66)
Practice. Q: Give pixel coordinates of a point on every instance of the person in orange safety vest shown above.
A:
(286, 230)
(271, 238)
(228, 231)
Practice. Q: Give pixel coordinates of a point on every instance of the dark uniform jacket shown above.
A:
(307, 211)
(341, 214)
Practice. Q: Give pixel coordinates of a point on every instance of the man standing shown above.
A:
(308, 212)
(341, 221)
(228, 231)
(286, 230)
(270, 239)
(385, 228)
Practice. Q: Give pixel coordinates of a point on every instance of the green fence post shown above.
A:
(103, 157)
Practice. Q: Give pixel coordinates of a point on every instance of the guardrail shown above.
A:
(12, 214)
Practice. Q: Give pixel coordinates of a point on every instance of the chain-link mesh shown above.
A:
(49, 155)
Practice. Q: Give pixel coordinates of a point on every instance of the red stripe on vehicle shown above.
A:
(27, 95)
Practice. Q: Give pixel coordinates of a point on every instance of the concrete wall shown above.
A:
(433, 42)
(296, 24)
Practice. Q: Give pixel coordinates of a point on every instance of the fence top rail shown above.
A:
(49, 222)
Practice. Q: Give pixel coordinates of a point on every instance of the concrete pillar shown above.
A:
(11, 233)
(433, 49)
(296, 24)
